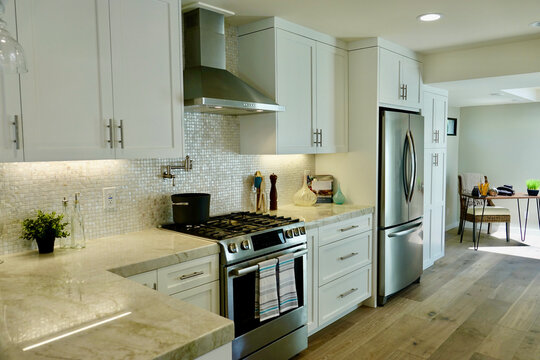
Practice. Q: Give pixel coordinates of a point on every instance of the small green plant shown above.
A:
(44, 226)
(533, 184)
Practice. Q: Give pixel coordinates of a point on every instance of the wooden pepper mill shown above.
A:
(273, 192)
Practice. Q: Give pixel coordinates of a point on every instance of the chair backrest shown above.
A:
(470, 180)
(462, 199)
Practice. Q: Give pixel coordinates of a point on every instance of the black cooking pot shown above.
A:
(190, 208)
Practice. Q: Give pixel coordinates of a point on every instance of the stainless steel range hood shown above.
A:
(208, 87)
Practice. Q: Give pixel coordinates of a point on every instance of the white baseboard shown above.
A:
(452, 225)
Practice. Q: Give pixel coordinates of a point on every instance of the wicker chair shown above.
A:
(492, 214)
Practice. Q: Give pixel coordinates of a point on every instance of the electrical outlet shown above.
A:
(109, 198)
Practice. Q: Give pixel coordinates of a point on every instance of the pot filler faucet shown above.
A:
(186, 164)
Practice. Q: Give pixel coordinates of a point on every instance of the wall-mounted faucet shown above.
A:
(186, 164)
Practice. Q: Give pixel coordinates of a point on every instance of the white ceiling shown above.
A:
(465, 24)
(491, 91)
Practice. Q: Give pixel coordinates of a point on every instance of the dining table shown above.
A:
(516, 196)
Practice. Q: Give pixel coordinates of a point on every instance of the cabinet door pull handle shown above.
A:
(187, 276)
(16, 124)
(348, 256)
(316, 133)
(121, 127)
(406, 92)
(320, 141)
(349, 228)
(347, 293)
(111, 132)
(154, 286)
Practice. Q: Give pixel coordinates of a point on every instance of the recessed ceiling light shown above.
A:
(429, 17)
(535, 24)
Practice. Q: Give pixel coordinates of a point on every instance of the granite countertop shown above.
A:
(323, 214)
(43, 296)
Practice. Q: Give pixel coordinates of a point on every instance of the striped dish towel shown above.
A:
(266, 295)
(287, 286)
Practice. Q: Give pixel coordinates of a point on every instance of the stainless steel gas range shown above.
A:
(246, 239)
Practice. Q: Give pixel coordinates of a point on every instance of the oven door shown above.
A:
(238, 304)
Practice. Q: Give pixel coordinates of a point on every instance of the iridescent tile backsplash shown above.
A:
(143, 197)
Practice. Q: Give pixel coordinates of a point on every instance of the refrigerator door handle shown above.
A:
(406, 231)
(406, 177)
(412, 152)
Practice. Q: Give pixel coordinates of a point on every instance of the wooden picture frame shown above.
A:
(451, 127)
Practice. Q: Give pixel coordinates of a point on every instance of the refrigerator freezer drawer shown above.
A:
(400, 258)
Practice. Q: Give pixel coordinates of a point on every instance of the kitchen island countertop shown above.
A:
(45, 296)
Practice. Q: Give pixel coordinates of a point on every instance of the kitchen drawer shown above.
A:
(205, 296)
(341, 257)
(340, 295)
(187, 275)
(343, 229)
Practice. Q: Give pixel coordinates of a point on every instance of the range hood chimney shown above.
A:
(208, 87)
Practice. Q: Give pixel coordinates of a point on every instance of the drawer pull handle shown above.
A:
(349, 228)
(348, 256)
(347, 293)
(187, 276)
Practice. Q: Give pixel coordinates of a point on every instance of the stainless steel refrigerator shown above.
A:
(401, 201)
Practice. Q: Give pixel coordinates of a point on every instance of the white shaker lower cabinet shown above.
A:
(100, 85)
(339, 269)
(221, 353)
(195, 281)
(434, 205)
(312, 279)
(204, 296)
(148, 279)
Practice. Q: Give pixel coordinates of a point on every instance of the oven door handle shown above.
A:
(253, 268)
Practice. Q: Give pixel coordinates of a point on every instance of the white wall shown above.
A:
(502, 142)
(452, 156)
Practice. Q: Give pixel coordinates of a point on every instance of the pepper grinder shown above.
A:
(273, 192)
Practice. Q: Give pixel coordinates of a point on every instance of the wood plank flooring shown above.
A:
(469, 305)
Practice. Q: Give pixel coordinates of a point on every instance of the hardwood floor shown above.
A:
(469, 305)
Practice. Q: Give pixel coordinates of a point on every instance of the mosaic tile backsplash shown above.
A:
(142, 196)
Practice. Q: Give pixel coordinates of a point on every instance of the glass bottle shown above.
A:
(78, 237)
(66, 241)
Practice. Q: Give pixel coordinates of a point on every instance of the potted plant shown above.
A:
(532, 187)
(45, 228)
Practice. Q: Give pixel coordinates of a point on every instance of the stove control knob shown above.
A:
(296, 232)
(302, 230)
(233, 248)
(245, 245)
(288, 234)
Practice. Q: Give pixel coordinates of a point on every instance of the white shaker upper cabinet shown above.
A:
(332, 99)
(295, 82)
(67, 92)
(147, 73)
(435, 114)
(399, 80)
(104, 79)
(307, 73)
(11, 144)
